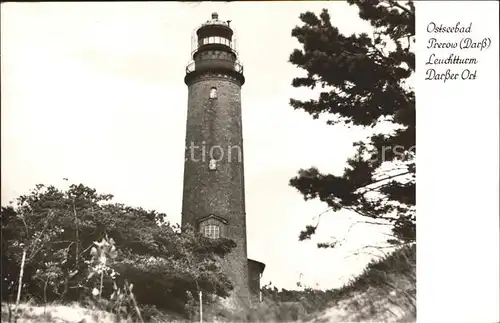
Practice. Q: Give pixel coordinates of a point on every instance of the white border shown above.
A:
(458, 173)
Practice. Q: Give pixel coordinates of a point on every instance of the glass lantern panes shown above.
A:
(215, 40)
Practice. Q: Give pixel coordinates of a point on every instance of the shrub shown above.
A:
(165, 263)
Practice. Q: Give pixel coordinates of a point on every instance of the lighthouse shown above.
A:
(214, 182)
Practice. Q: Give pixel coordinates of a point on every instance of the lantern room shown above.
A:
(213, 49)
(214, 32)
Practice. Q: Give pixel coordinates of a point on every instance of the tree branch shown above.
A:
(387, 178)
(395, 4)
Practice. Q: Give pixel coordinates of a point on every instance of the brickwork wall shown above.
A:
(220, 192)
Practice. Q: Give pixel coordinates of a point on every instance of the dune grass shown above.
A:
(384, 292)
(76, 313)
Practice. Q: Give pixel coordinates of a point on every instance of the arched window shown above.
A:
(212, 231)
(213, 93)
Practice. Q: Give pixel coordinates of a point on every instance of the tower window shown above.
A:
(212, 226)
(213, 93)
(212, 231)
(212, 165)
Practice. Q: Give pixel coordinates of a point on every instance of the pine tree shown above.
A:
(365, 82)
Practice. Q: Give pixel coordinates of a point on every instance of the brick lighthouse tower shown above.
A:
(214, 188)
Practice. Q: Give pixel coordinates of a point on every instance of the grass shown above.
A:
(58, 313)
(384, 292)
(75, 313)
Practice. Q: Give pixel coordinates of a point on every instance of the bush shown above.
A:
(57, 229)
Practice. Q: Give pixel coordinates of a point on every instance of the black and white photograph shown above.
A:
(212, 161)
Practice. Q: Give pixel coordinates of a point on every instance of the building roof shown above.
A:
(215, 21)
(261, 265)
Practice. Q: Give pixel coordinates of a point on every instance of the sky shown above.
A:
(94, 92)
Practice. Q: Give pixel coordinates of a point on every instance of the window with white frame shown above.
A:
(212, 231)
(213, 93)
(213, 226)
(212, 165)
